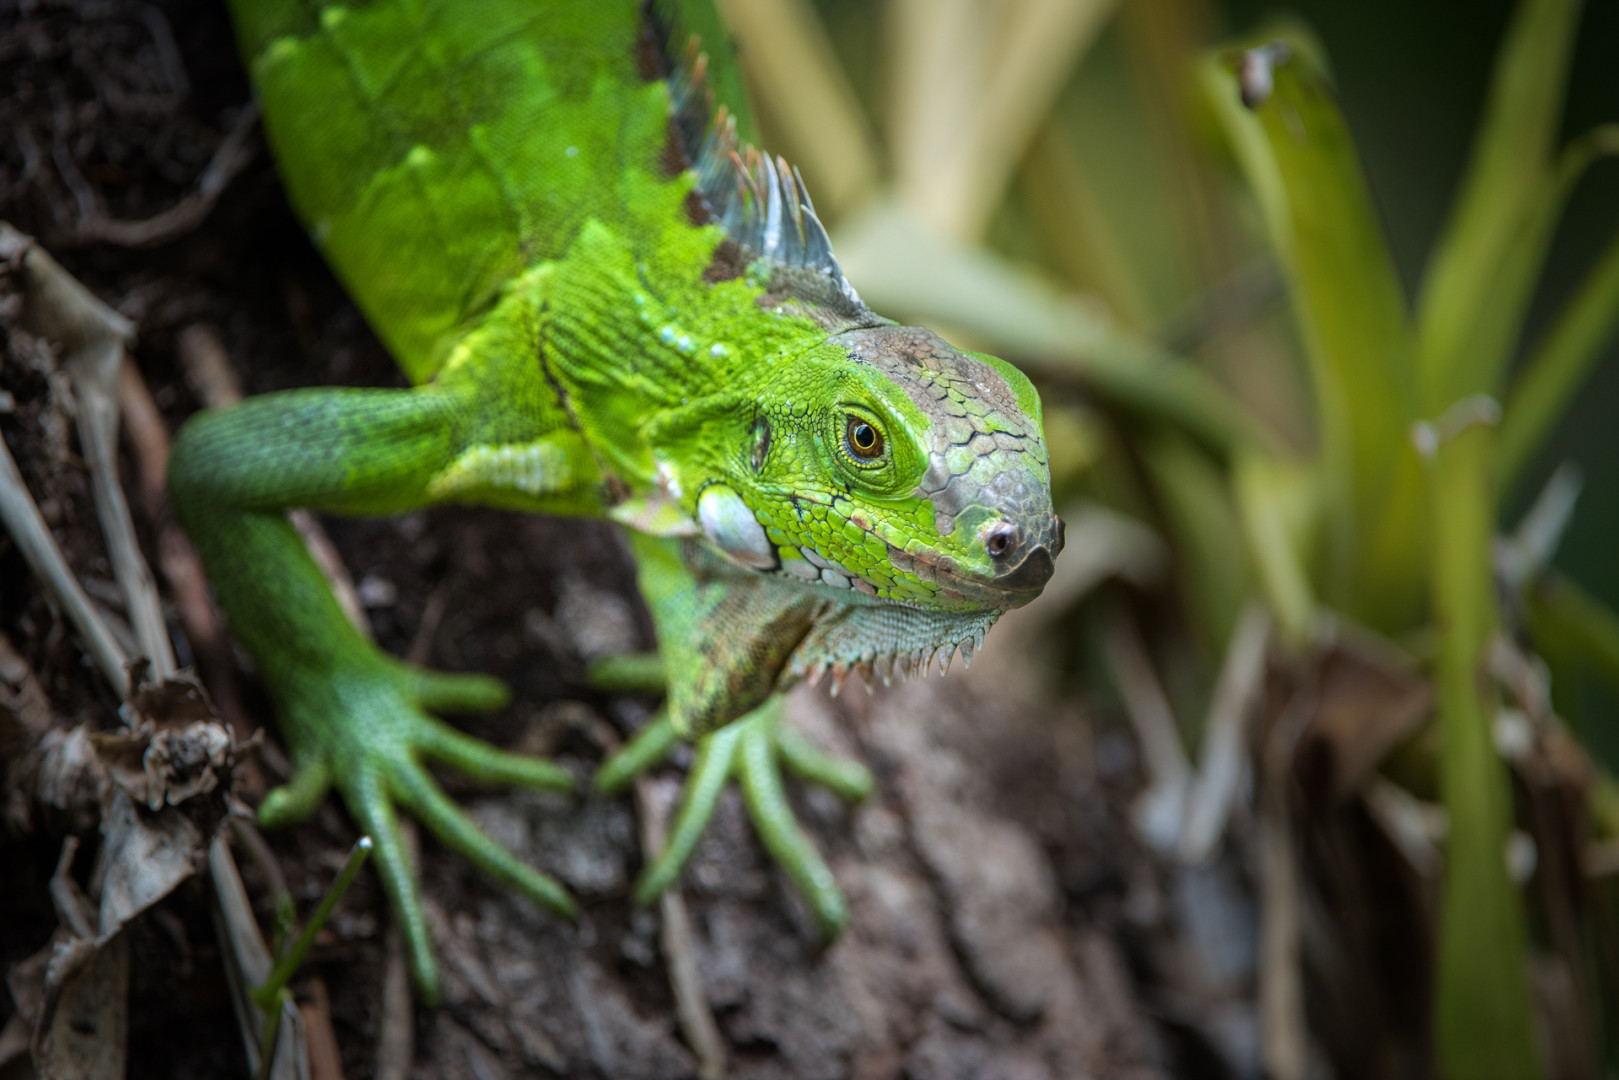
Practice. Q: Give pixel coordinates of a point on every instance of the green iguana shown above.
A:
(609, 305)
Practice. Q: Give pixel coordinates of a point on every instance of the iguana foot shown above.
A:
(368, 732)
(751, 751)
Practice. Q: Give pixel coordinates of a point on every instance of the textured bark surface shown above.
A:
(963, 957)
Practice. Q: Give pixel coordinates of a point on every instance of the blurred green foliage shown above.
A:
(1330, 343)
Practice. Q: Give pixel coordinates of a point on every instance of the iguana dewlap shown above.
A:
(609, 306)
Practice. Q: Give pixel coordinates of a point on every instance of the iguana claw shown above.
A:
(377, 760)
(750, 751)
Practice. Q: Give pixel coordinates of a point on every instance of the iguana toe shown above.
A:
(704, 785)
(416, 791)
(759, 770)
(366, 794)
(488, 764)
(299, 797)
(376, 759)
(752, 752)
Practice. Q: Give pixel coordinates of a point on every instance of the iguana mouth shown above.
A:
(1013, 585)
(908, 640)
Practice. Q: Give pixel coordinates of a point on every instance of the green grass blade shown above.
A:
(1566, 621)
(1202, 522)
(1560, 362)
(1296, 153)
(1477, 287)
(1494, 325)
(1510, 161)
(268, 996)
(1279, 504)
(1484, 1016)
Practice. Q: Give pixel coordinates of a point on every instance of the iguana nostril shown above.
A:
(1001, 539)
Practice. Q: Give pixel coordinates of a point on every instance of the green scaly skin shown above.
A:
(605, 313)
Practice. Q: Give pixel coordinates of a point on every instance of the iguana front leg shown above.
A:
(352, 716)
(726, 635)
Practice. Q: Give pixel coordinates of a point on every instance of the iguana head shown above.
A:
(883, 498)
(888, 494)
(886, 463)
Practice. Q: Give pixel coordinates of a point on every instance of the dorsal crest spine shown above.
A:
(760, 201)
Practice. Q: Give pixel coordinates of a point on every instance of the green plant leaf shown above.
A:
(1484, 1016)
(1203, 527)
(1566, 620)
(1280, 506)
(1478, 264)
(1560, 362)
(1296, 152)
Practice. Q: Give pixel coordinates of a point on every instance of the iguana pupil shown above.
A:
(864, 441)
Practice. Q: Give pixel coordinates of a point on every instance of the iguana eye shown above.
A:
(864, 441)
